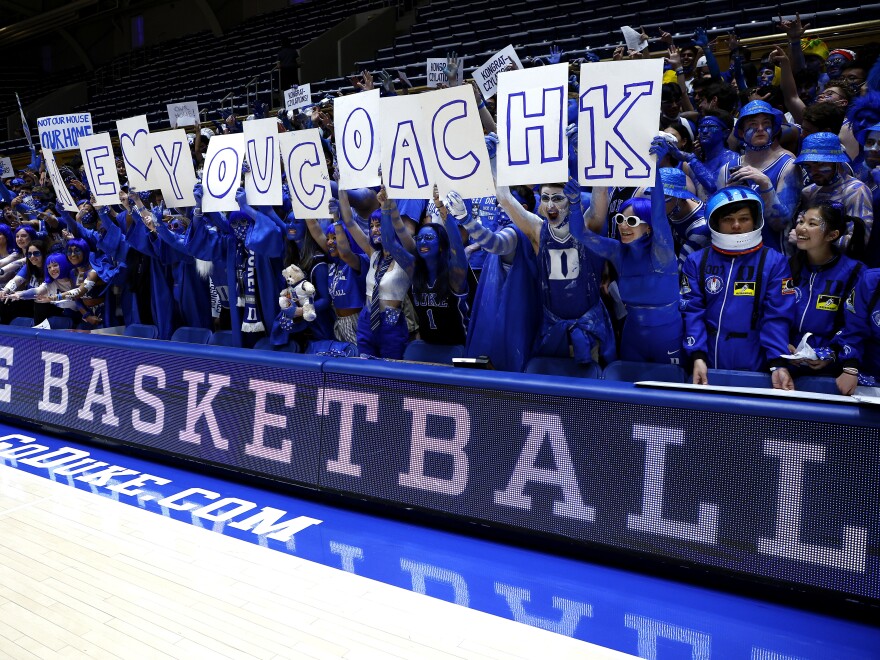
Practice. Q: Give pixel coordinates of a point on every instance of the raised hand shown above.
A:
(555, 55)
(453, 64)
(456, 206)
(572, 190)
(492, 144)
(665, 37)
(793, 29)
(241, 197)
(333, 205)
(674, 57)
(387, 81)
(701, 38)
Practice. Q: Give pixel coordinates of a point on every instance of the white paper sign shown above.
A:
(263, 183)
(532, 116)
(221, 175)
(62, 132)
(633, 39)
(171, 158)
(183, 114)
(358, 152)
(298, 96)
(100, 168)
(306, 167)
(487, 75)
(6, 171)
(437, 75)
(61, 191)
(434, 138)
(134, 138)
(617, 119)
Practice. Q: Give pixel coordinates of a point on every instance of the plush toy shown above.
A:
(299, 291)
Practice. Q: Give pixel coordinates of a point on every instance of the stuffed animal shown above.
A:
(299, 291)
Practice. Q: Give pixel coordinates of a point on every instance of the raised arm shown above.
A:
(529, 223)
(343, 247)
(390, 244)
(353, 228)
(458, 265)
(789, 86)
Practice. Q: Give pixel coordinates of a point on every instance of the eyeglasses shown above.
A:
(556, 199)
(829, 93)
(630, 220)
(35, 253)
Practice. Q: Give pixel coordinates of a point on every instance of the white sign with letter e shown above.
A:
(100, 167)
(617, 118)
(532, 116)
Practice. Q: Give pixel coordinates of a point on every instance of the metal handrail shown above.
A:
(273, 73)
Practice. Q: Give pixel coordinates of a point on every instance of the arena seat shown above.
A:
(551, 366)
(22, 322)
(141, 330)
(192, 335)
(421, 351)
(819, 384)
(60, 322)
(733, 378)
(221, 338)
(632, 372)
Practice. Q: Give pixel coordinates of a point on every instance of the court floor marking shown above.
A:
(84, 576)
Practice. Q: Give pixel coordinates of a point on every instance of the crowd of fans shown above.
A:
(752, 251)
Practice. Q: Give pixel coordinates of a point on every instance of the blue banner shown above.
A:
(775, 491)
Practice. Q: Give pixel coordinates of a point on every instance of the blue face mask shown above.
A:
(296, 230)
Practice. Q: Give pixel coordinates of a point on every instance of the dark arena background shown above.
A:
(740, 489)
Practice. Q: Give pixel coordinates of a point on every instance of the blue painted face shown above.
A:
(375, 234)
(428, 243)
(710, 134)
(296, 229)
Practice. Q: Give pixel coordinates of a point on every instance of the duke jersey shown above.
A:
(570, 275)
(443, 319)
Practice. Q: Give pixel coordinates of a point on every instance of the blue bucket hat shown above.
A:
(822, 148)
(753, 108)
(675, 183)
(17, 182)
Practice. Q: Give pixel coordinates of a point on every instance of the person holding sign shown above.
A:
(575, 319)
(438, 269)
(382, 330)
(647, 274)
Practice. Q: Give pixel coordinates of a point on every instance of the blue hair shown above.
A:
(83, 246)
(641, 208)
(62, 262)
(30, 231)
(6, 232)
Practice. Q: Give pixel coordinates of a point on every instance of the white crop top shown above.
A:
(395, 282)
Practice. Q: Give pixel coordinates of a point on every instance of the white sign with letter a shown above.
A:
(357, 139)
(221, 176)
(171, 157)
(303, 156)
(100, 167)
(263, 183)
(617, 118)
(532, 116)
(431, 138)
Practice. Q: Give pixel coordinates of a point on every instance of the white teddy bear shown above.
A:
(299, 291)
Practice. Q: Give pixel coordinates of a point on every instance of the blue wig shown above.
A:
(641, 208)
(62, 262)
(6, 233)
(30, 231)
(83, 246)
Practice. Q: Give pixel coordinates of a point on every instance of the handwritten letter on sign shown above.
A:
(487, 75)
(183, 114)
(434, 138)
(532, 116)
(303, 158)
(171, 157)
(298, 96)
(134, 136)
(100, 166)
(617, 119)
(61, 191)
(221, 176)
(357, 139)
(62, 132)
(263, 183)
